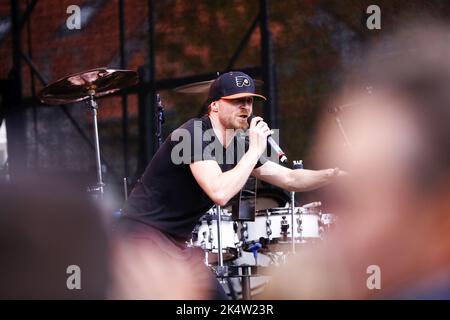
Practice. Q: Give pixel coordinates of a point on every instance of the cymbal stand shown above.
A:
(125, 188)
(160, 119)
(98, 189)
(341, 128)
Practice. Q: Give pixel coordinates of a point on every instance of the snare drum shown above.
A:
(275, 225)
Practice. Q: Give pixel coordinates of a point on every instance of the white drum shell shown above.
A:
(269, 224)
(207, 235)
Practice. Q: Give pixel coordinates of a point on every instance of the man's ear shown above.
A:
(215, 106)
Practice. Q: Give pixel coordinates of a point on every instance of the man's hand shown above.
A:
(336, 172)
(258, 133)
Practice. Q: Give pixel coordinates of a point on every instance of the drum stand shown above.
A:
(296, 164)
(245, 283)
(221, 269)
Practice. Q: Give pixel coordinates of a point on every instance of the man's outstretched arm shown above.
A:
(299, 180)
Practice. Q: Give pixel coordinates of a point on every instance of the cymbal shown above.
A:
(202, 87)
(80, 86)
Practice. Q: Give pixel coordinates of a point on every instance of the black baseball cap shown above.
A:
(233, 85)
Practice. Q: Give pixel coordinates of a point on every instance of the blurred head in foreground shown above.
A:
(53, 242)
(142, 269)
(394, 209)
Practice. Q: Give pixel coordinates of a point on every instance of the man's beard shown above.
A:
(234, 122)
(243, 126)
(240, 124)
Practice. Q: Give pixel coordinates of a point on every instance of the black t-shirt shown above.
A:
(167, 196)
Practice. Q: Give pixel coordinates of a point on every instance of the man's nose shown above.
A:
(246, 104)
(245, 107)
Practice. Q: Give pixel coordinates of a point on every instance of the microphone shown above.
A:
(281, 156)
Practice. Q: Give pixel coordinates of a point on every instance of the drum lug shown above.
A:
(210, 236)
(244, 232)
(284, 226)
(299, 225)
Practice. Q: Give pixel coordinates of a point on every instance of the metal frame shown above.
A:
(146, 90)
(14, 115)
(124, 96)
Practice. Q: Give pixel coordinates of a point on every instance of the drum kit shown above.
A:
(244, 249)
(225, 238)
(271, 230)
